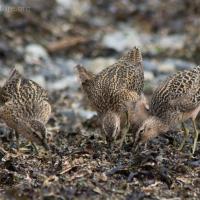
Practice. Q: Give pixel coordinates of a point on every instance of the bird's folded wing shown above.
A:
(184, 103)
(185, 95)
(127, 99)
(9, 90)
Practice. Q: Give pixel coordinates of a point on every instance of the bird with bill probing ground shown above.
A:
(25, 108)
(176, 100)
(114, 92)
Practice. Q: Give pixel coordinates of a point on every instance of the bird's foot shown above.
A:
(123, 136)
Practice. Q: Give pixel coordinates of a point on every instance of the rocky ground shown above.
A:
(45, 40)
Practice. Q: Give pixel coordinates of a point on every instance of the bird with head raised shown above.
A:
(25, 107)
(174, 101)
(114, 92)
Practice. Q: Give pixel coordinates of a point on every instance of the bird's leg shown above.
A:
(17, 139)
(34, 147)
(14, 138)
(2, 151)
(196, 136)
(125, 130)
(186, 133)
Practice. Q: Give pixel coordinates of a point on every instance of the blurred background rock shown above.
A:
(46, 39)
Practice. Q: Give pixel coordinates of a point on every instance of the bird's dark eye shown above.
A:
(147, 108)
(141, 131)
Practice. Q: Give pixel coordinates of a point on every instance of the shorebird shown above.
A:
(174, 101)
(25, 107)
(114, 92)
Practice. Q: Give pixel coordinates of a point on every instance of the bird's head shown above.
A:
(150, 128)
(111, 126)
(38, 133)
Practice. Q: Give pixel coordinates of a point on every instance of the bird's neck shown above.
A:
(162, 126)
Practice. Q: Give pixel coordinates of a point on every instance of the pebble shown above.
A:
(148, 87)
(86, 114)
(74, 8)
(171, 65)
(39, 79)
(122, 40)
(148, 76)
(175, 41)
(35, 53)
(150, 65)
(182, 64)
(159, 79)
(67, 66)
(166, 67)
(66, 82)
(98, 64)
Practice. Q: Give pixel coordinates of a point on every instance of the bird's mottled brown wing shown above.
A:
(41, 111)
(31, 90)
(25, 110)
(179, 92)
(13, 114)
(11, 86)
(126, 73)
(19, 87)
(104, 90)
(9, 90)
(109, 91)
(9, 113)
(127, 98)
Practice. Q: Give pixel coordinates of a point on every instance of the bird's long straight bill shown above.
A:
(136, 148)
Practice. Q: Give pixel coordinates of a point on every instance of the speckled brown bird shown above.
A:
(25, 107)
(114, 91)
(174, 101)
